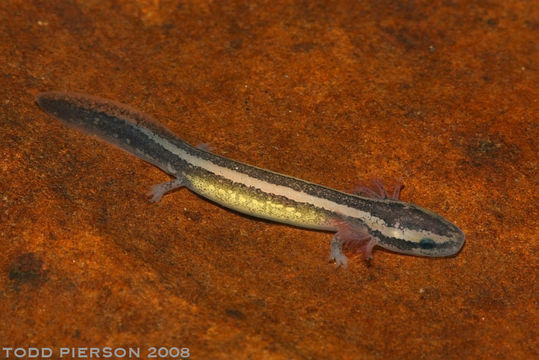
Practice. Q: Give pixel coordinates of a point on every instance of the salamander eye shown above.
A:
(426, 243)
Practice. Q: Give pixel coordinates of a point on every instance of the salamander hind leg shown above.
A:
(157, 191)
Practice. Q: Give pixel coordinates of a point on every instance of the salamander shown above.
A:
(359, 221)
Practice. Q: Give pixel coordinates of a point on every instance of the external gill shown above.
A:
(355, 237)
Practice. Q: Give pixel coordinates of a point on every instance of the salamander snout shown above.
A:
(411, 229)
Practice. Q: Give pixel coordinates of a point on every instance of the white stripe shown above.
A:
(264, 186)
(373, 222)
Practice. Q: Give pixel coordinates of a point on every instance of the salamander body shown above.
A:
(360, 222)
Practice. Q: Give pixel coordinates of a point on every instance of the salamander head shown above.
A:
(410, 229)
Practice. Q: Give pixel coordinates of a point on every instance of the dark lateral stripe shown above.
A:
(405, 245)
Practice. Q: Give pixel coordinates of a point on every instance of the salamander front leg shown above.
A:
(157, 191)
(353, 237)
(336, 252)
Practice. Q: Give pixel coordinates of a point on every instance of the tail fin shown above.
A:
(110, 121)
